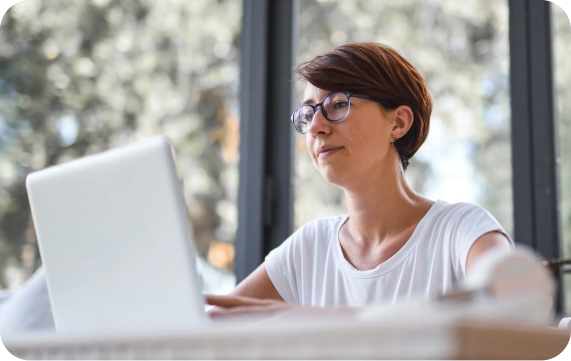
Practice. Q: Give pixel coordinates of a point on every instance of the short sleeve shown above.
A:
(280, 265)
(472, 222)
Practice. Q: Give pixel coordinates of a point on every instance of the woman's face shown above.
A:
(355, 150)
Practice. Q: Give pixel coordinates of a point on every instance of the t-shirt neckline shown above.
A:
(393, 262)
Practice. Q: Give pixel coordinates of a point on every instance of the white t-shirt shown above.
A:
(309, 267)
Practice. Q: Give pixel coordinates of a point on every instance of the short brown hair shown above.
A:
(379, 72)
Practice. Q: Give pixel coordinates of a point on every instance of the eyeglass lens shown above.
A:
(334, 107)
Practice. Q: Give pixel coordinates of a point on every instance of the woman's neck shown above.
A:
(382, 216)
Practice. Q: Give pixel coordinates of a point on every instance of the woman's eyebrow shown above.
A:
(308, 101)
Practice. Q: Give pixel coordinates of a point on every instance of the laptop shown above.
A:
(115, 241)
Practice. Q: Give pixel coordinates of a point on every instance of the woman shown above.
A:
(366, 111)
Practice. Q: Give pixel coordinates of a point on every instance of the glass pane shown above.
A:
(561, 50)
(461, 48)
(112, 73)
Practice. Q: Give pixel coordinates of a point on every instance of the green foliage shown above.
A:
(79, 77)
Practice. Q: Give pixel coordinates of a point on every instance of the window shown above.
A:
(113, 73)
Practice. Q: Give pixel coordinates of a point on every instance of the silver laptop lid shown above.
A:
(115, 241)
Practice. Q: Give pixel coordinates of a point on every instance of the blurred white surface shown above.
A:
(27, 309)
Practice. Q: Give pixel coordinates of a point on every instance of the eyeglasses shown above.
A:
(334, 106)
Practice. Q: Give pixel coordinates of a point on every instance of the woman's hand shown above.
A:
(241, 306)
(248, 306)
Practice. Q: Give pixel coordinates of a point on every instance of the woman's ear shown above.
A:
(403, 118)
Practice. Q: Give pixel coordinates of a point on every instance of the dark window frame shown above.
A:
(534, 131)
(265, 192)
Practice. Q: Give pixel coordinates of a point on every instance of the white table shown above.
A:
(309, 338)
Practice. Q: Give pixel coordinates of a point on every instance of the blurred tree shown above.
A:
(79, 77)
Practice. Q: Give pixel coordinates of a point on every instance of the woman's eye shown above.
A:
(307, 117)
(340, 105)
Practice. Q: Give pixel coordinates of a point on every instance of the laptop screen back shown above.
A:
(115, 241)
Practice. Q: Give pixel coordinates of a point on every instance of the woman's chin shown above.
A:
(334, 177)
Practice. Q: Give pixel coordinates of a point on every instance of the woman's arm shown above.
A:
(485, 243)
(257, 285)
(254, 295)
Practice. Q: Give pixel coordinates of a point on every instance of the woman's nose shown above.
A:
(319, 124)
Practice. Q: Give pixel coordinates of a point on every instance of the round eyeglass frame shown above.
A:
(323, 111)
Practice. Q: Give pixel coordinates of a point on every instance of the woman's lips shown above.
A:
(327, 152)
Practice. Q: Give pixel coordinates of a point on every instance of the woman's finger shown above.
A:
(244, 311)
(234, 301)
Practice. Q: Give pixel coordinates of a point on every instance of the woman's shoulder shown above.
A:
(461, 218)
(445, 211)
(314, 237)
(326, 223)
(321, 226)
(319, 230)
